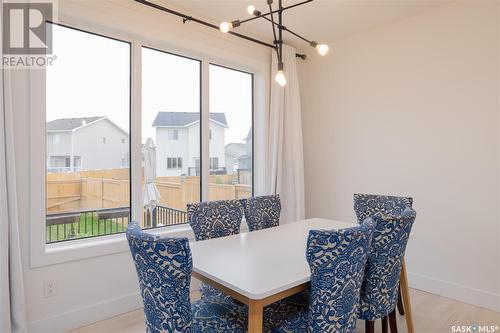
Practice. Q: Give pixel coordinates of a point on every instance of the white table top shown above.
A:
(261, 263)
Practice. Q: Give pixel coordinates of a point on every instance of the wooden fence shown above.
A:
(110, 188)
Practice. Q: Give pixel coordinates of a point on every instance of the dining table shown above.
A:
(261, 267)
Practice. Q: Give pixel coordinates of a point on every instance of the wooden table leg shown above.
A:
(405, 291)
(255, 316)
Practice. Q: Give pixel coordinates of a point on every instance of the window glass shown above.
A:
(171, 120)
(231, 144)
(87, 118)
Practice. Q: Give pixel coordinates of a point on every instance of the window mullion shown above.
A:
(204, 135)
(136, 132)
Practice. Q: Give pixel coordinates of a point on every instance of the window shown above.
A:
(214, 163)
(174, 163)
(87, 173)
(173, 134)
(171, 98)
(87, 101)
(231, 118)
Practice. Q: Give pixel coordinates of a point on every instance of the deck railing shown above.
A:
(164, 216)
(66, 226)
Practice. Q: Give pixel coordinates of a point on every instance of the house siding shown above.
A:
(187, 147)
(87, 143)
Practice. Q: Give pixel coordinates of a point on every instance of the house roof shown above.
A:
(249, 135)
(182, 119)
(69, 124)
(235, 149)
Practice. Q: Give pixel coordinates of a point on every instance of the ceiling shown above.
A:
(321, 20)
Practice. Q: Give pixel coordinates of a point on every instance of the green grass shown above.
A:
(88, 226)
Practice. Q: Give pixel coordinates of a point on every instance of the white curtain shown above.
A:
(286, 161)
(12, 302)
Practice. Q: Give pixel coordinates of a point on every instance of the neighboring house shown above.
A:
(245, 161)
(178, 143)
(233, 152)
(88, 143)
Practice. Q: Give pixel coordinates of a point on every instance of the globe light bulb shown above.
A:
(224, 27)
(322, 49)
(250, 10)
(280, 78)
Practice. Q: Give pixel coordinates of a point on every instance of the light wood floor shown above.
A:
(431, 313)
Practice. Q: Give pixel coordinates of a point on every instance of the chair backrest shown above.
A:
(164, 269)
(380, 286)
(365, 205)
(214, 219)
(262, 212)
(337, 261)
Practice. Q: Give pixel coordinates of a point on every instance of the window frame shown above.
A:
(175, 163)
(252, 75)
(173, 131)
(42, 254)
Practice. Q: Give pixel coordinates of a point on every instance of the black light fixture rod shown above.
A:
(297, 35)
(190, 18)
(290, 31)
(280, 29)
(275, 11)
(274, 31)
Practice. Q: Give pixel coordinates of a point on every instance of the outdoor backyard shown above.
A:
(94, 203)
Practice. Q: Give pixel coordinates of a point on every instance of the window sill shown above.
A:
(81, 249)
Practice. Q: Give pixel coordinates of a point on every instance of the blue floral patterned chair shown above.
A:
(262, 212)
(337, 260)
(213, 219)
(379, 292)
(164, 269)
(365, 205)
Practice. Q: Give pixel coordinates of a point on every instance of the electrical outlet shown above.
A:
(49, 289)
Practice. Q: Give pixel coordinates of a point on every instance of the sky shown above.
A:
(91, 77)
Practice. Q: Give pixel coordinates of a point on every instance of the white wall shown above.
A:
(412, 108)
(88, 143)
(103, 286)
(172, 148)
(218, 143)
(193, 145)
(63, 148)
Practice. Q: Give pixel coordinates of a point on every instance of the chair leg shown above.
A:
(401, 308)
(369, 326)
(384, 324)
(392, 322)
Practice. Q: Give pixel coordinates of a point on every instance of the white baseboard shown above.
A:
(87, 315)
(113, 307)
(92, 313)
(455, 291)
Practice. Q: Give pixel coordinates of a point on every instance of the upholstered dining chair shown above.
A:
(213, 219)
(164, 269)
(337, 261)
(262, 212)
(379, 292)
(365, 205)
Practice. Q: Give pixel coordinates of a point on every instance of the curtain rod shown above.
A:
(186, 18)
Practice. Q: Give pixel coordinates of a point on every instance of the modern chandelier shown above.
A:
(280, 77)
(277, 26)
